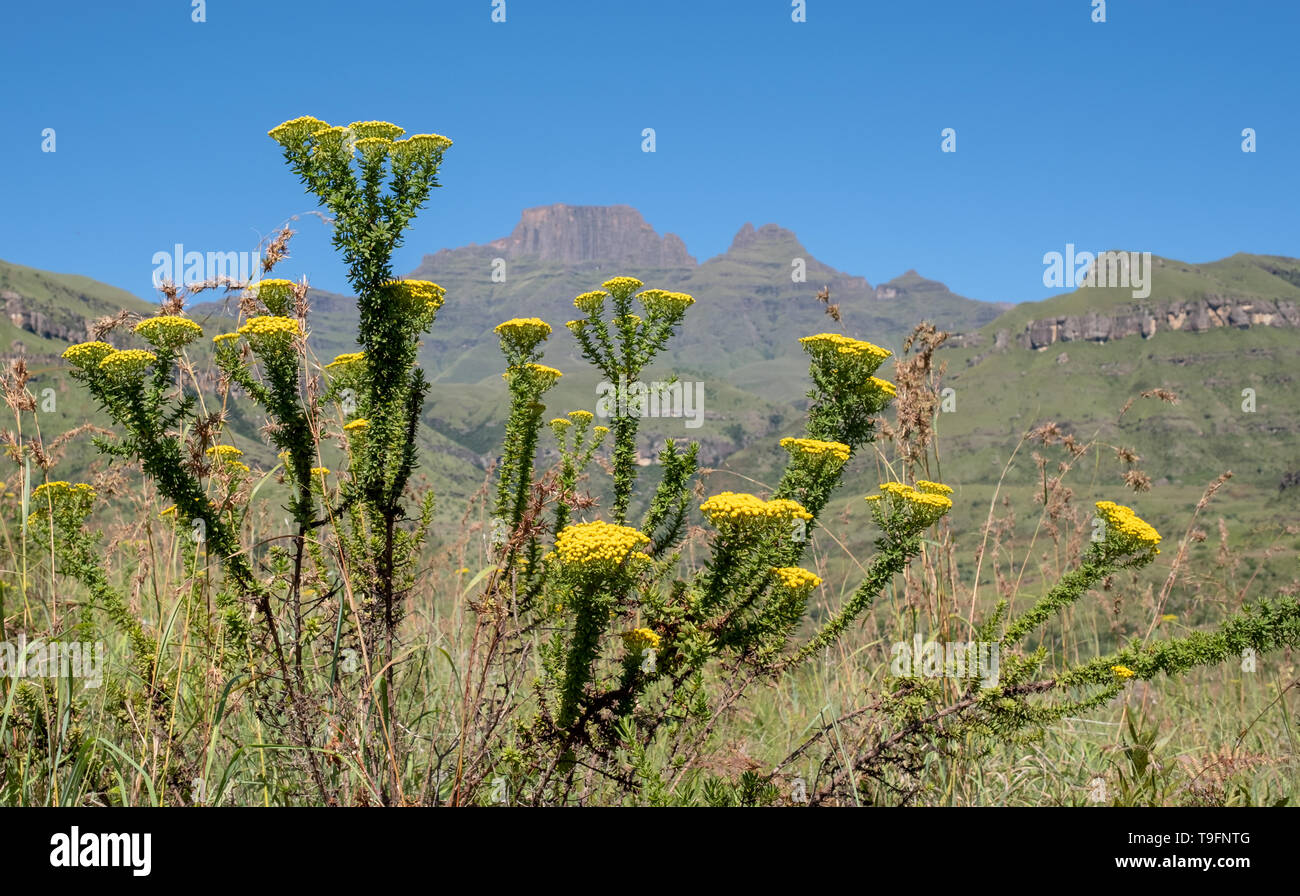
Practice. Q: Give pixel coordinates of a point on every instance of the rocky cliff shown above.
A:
(57, 324)
(579, 234)
(1191, 316)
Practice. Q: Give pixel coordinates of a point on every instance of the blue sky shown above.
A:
(1125, 134)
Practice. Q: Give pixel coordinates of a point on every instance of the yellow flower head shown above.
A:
(357, 426)
(1126, 532)
(541, 376)
(375, 130)
(1123, 671)
(58, 489)
(127, 365)
(62, 499)
(733, 512)
(600, 431)
(863, 355)
(922, 508)
(374, 149)
(660, 303)
(87, 355)
(346, 362)
(331, 140)
(320, 471)
(419, 146)
(224, 452)
(817, 450)
(639, 640)
(589, 303)
(296, 130)
(275, 293)
(221, 339)
(599, 547)
(884, 387)
(796, 578)
(581, 416)
(168, 331)
(621, 287)
(269, 332)
(522, 334)
(933, 488)
(418, 298)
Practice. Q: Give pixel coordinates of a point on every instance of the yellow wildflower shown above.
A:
(87, 355)
(128, 364)
(638, 640)
(816, 449)
(599, 547)
(796, 578)
(1123, 671)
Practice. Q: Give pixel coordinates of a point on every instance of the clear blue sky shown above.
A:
(1125, 134)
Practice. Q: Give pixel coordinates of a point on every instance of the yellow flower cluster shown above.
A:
(883, 386)
(621, 287)
(360, 425)
(1123, 671)
(796, 578)
(225, 452)
(320, 471)
(1125, 530)
(329, 139)
(638, 640)
(87, 355)
(731, 510)
(168, 331)
(846, 347)
(375, 129)
(542, 376)
(223, 338)
(420, 296)
(346, 361)
(275, 293)
(296, 130)
(816, 449)
(523, 333)
(129, 364)
(660, 303)
(61, 489)
(580, 416)
(270, 330)
(419, 146)
(933, 488)
(559, 424)
(599, 546)
(925, 506)
(374, 149)
(60, 496)
(589, 303)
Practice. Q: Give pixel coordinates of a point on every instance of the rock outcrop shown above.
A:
(67, 326)
(575, 234)
(1194, 316)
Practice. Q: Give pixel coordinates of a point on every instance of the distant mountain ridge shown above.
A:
(580, 234)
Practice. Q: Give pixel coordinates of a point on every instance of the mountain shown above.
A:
(44, 312)
(751, 300)
(1221, 335)
(578, 234)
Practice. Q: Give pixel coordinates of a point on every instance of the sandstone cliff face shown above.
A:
(66, 326)
(574, 234)
(1194, 316)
